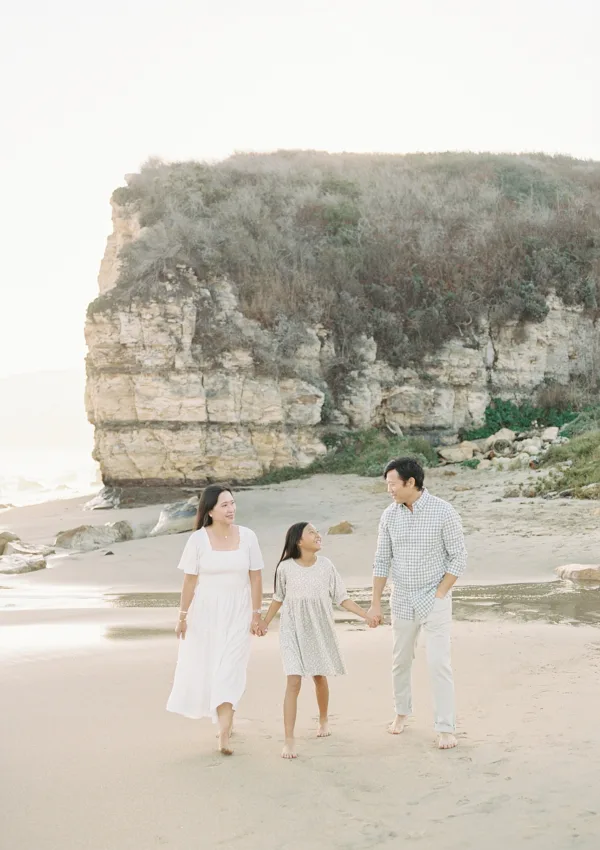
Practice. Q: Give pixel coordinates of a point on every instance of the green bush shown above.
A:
(583, 452)
(359, 453)
(502, 413)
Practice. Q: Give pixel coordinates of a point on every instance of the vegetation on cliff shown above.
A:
(359, 453)
(413, 250)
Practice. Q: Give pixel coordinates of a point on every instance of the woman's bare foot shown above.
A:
(224, 745)
(447, 741)
(323, 730)
(289, 749)
(231, 732)
(397, 725)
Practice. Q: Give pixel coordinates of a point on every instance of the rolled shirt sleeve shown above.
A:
(454, 544)
(383, 554)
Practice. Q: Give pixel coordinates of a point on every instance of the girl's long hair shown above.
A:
(208, 500)
(291, 547)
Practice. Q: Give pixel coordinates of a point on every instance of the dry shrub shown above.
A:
(411, 249)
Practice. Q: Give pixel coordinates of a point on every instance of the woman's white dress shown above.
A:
(307, 638)
(212, 661)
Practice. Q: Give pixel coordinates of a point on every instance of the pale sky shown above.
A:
(88, 95)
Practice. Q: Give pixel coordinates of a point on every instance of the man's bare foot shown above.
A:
(224, 745)
(289, 749)
(397, 726)
(447, 741)
(323, 730)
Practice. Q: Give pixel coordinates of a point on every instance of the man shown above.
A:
(421, 540)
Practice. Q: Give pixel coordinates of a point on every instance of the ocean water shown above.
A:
(30, 476)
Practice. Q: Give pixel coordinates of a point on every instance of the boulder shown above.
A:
(5, 538)
(25, 549)
(341, 528)
(13, 564)
(479, 446)
(456, 454)
(86, 538)
(531, 446)
(504, 434)
(107, 499)
(176, 518)
(579, 572)
(549, 435)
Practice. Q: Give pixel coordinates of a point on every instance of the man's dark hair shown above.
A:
(407, 467)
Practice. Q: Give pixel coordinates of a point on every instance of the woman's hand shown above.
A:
(373, 622)
(181, 628)
(259, 627)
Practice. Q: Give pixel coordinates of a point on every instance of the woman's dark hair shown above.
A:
(407, 468)
(208, 500)
(291, 548)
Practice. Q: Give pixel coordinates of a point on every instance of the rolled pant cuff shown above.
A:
(444, 727)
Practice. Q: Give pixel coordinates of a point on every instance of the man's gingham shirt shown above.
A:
(419, 546)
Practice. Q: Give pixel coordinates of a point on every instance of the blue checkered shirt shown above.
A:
(420, 547)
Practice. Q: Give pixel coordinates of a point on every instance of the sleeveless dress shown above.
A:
(212, 660)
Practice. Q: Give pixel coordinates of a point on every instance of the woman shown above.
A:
(220, 607)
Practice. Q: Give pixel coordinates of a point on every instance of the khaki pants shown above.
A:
(437, 641)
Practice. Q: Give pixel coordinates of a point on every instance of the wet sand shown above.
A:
(91, 759)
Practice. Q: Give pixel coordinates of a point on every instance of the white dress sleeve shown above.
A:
(279, 595)
(256, 558)
(190, 558)
(337, 588)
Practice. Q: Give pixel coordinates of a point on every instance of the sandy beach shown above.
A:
(92, 759)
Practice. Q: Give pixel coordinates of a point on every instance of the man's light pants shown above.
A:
(436, 628)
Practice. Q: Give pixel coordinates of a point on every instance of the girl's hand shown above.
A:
(261, 629)
(181, 628)
(258, 627)
(372, 622)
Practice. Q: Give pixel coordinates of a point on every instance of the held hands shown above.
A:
(374, 617)
(258, 627)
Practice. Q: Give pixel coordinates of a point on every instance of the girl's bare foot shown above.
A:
(447, 741)
(224, 745)
(289, 749)
(397, 725)
(323, 730)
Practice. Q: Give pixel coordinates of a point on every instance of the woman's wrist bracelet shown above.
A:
(259, 612)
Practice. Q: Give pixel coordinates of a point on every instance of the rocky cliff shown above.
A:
(246, 309)
(166, 412)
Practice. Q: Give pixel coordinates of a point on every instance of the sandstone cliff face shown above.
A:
(166, 410)
(126, 227)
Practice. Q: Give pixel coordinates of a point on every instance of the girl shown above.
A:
(306, 584)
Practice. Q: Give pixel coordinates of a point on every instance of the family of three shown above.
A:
(420, 547)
